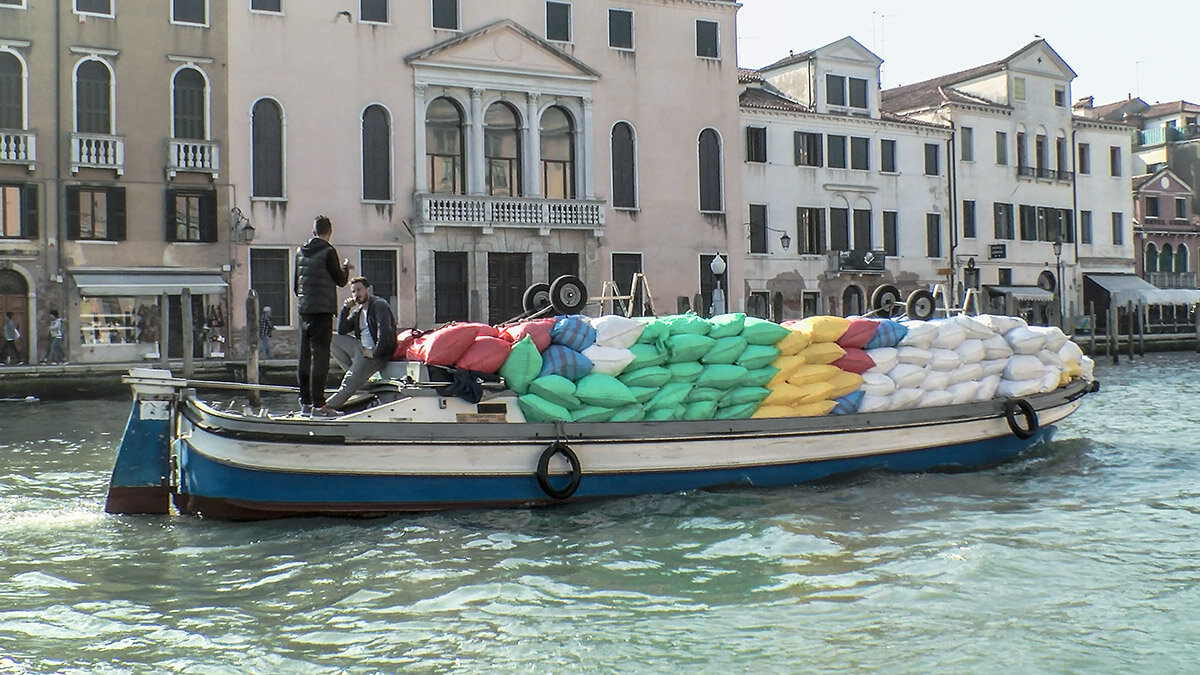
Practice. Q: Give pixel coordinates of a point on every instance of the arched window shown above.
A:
(711, 197)
(558, 154)
(376, 154)
(267, 149)
(502, 150)
(624, 167)
(444, 147)
(1166, 259)
(12, 92)
(1181, 260)
(188, 96)
(1150, 260)
(93, 98)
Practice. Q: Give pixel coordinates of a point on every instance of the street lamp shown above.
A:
(1058, 286)
(718, 267)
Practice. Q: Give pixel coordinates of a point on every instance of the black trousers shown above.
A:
(316, 332)
(10, 348)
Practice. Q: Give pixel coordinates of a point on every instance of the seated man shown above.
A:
(365, 340)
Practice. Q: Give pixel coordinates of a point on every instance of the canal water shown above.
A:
(1081, 556)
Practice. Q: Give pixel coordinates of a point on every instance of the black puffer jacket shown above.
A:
(318, 274)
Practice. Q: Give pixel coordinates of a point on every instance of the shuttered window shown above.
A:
(376, 154)
(93, 98)
(624, 167)
(189, 105)
(267, 149)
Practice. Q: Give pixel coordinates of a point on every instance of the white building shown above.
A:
(841, 199)
(1026, 174)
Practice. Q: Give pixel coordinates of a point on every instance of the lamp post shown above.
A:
(718, 267)
(1058, 285)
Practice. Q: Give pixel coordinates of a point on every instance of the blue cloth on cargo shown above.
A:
(847, 404)
(560, 360)
(890, 334)
(573, 331)
(466, 384)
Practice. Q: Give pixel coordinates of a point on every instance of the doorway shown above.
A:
(14, 297)
(508, 277)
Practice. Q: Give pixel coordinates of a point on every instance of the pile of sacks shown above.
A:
(685, 367)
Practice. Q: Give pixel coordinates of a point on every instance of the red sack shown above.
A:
(538, 330)
(485, 355)
(443, 346)
(855, 361)
(404, 340)
(858, 334)
(485, 330)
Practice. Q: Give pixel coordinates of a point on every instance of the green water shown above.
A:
(1081, 556)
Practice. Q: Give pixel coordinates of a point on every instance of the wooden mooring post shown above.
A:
(252, 358)
(1092, 324)
(187, 333)
(1113, 328)
(1130, 316)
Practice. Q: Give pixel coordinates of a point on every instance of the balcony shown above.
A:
(97, 151)
(1172, 279)
(194, 156)
(1025, 172)
(487, 213)
(1063, 175)
(1161, 135)
(18, 147)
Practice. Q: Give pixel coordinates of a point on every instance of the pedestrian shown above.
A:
(11, 335)
(55, 352)
(265, 329)
(315, 282)
(365, 340)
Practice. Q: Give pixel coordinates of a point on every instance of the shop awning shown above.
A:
(1125, 288)
(1024, 293)
(132, 283)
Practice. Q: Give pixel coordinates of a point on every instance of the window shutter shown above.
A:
(72, 192)
(208, 216)
(169, 223)
(116, 213)
(29, 211)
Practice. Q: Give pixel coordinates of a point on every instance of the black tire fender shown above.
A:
(543, 470)
(1014, 405)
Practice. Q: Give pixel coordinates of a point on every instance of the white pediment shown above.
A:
(848, 49)
(502, 48)
(1039, 58)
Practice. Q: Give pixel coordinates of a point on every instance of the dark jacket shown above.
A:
(318, 274)
(380, 323)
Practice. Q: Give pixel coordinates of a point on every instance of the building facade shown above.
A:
(111, 125)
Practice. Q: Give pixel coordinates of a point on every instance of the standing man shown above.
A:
(265, 328)
(317, 277)
(11, 335)
(365, 341)
(55, 352)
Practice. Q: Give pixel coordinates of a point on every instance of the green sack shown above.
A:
(556, 389)
(721, 376)
(688, 347)
(759, 377)
(736, 412)
(603, 390)
(744, 395)
(630, 413)
(662, 415)
(704, 394)
(762, 332)
(655, 332)
(591, 413)
(645, 356)
(687, 371)
(725, 350)
(643, 394)
(670, 396)
(757, 356)
(522, 366)
(653, 376)
(726, 325)
(687, 324)
(700, 410)
(538, 409)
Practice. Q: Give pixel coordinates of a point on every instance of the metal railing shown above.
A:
(1172, 279)
(1025, 171)
(192, 155)
(511, 211)
(97, 151)
(18, 147)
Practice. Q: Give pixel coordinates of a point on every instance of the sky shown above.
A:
(1116, 49)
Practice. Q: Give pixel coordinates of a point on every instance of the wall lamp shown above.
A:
(785, 240)
(239, 225)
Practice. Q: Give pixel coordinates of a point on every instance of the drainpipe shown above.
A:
(952, 192)
(59, 197)
(1075, 212)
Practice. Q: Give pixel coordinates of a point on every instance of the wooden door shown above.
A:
(508, 277)
(14, 297)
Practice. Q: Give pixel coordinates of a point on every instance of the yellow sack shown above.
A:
(810, 393)
(824, 328)
(786, 365)
(773, 411)
(793, 343)
(822, 352)
(807, 374)
(786, 394)
(1064, 377)
(815, 409)
(844, 383)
